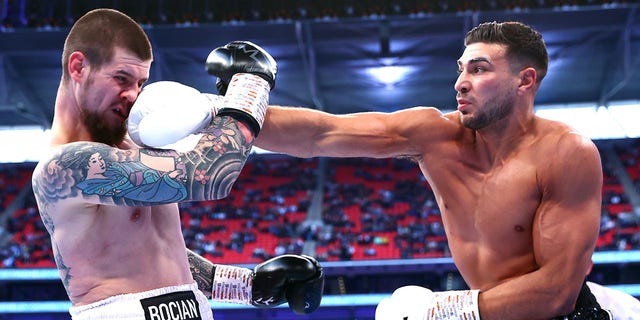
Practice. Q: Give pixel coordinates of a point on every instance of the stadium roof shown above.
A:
(355, 64)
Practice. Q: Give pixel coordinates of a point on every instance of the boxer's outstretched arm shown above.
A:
(306, 133)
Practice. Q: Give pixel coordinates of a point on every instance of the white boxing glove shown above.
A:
(418, 303)
(405, 303)
(167, 112)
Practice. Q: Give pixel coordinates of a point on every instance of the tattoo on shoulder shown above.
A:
(116, 176)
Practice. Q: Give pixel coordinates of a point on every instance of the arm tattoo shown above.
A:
(215, 164)
(114, 176)
(148, 176)
(202, 271)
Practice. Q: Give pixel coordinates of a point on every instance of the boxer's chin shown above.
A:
(102, 132)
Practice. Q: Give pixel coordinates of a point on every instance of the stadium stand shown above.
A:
(373, 223)
(371, 209)
(377, 228)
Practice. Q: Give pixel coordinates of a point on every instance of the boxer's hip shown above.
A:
(184, 302)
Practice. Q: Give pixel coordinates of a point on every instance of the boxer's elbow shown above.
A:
(564, 302)
(563, 308)
(213, 180)
(224, 182)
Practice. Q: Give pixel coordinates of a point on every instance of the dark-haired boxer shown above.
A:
(110, 205)
(520, 195)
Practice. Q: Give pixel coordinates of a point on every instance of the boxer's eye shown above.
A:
(120, 79)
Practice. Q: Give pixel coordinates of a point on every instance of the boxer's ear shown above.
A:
(78, 65)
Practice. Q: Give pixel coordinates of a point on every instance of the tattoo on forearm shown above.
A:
(202, 271)
(215, 164)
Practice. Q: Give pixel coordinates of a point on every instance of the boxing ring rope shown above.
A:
(338, 267)
(351, 300)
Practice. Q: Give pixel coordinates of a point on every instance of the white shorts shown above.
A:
(183, 302)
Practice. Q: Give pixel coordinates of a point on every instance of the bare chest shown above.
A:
(142, 221)
(107, 230)
(496, 205)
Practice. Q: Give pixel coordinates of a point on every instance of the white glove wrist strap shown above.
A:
(216, 103)
(232, 284)
(454, 305)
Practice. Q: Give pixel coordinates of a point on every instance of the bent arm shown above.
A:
(100, 174)
(565, 232)
(305, 133)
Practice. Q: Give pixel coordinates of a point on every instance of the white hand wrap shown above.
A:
(455, 305)
(232, 284)
(418, 303)
(167, 112)
(247, 95)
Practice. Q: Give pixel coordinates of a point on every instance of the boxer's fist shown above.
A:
(298, 280)
(246, 74)
(418, 303)
(240, 57)
(406, 303)
(166, 112)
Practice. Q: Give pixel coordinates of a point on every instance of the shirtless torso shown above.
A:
(520, 207)
(130, 248)
(489, 203)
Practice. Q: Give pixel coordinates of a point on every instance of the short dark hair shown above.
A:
(97, 33)
(525, 45)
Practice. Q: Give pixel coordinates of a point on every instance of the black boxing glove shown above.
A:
(246, 74)
(240, 57)
(296, 279)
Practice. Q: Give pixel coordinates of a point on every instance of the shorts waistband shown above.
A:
(128, 306)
